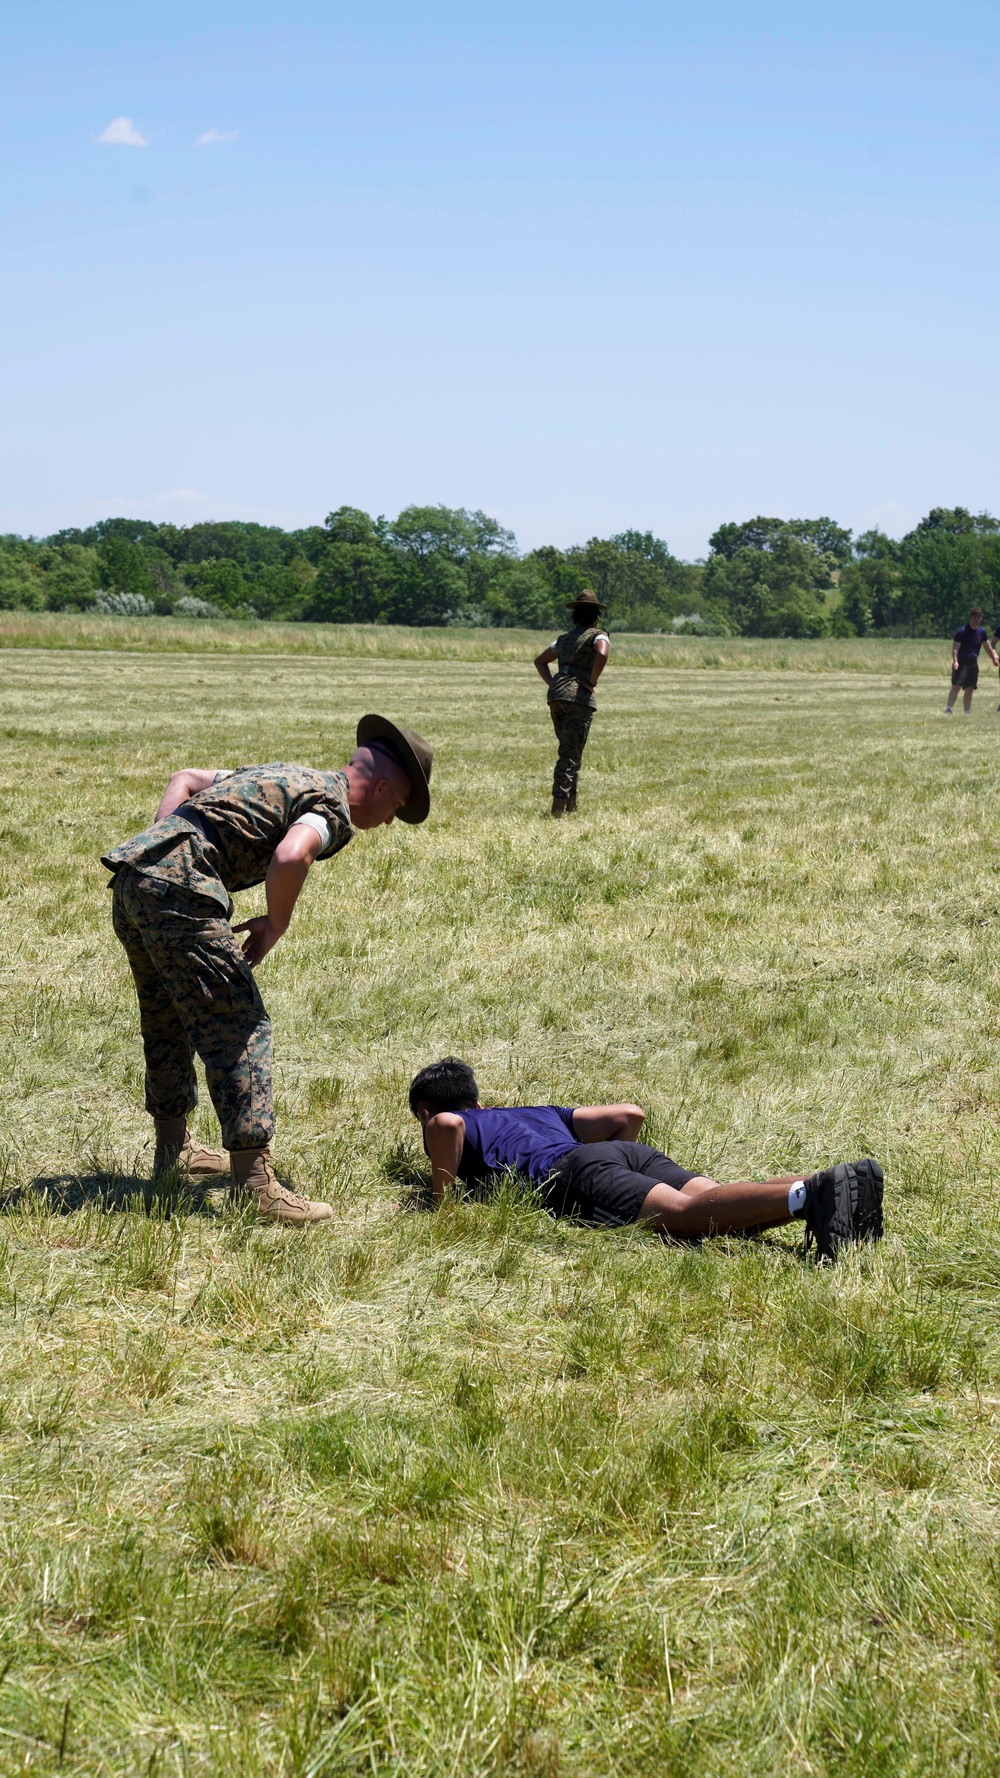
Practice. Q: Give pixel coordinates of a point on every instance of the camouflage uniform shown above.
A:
(171, 908)
(572, 702)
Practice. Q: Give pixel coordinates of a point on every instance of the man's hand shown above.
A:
(263, 938)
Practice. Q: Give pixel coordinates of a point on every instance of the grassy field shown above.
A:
(894, 657)
(480, 1493)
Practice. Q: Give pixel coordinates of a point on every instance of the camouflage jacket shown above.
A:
(575, 655)
(223, 839)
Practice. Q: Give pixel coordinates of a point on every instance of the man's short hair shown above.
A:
(449, 1085)
(976, 611)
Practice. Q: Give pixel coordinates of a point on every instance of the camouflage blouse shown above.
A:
(575, 655)
(223, 839)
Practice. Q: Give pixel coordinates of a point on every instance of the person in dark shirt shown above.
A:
(965, 646)
(588, 1162)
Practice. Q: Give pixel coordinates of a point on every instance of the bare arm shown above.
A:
(445, 1139)
(608, 1123)
(603, 648)
(286, 874)
(994, 657)
(181, 785)
(542, 664)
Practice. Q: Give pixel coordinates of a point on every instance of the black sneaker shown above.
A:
(868, 1210)
(831, 1197)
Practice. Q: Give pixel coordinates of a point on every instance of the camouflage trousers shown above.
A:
(196, 994)
(572, 725)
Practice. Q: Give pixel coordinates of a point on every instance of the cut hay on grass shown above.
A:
(482, 1493)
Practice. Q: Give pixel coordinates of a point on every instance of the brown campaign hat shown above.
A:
(587, 597)
(414, 754)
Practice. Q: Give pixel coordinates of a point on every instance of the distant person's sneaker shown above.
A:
(950, 712)
(830, 1200)
(868, 1208)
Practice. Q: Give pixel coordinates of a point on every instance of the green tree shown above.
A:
(639, 580)
(72, 577)
(221, 582)
(356, 573)
(774, 577)
(122, 565)
(949, 563)
(870, 584)
(449, 560)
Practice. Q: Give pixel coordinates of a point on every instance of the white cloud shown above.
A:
(212, 136)
(122, 133)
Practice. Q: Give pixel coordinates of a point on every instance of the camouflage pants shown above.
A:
(196, 994)
(572, 725)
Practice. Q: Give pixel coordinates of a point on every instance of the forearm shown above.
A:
(445, 1139)
(282, 887)
(542, 669)
(608, 1123)
(181, 785)
(600, 662)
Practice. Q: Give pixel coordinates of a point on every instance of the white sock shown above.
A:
(797, 1198)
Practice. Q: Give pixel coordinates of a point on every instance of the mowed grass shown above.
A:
(479, 1492)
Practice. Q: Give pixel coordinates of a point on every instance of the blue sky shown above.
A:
(585, 267)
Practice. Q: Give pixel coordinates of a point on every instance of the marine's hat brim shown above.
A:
(397, 740)
(595, 604)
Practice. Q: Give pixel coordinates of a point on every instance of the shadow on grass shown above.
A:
(66, 1192)
(410, 1174)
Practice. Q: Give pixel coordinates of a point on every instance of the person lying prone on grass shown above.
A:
(588, 1163)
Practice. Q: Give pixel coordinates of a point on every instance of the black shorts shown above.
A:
(609, 1181)
(967, 676)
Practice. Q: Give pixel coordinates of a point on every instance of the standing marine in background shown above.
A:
(217, 832)
(580, 655)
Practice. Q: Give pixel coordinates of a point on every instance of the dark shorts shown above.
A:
(966, 676)
(609, 1181)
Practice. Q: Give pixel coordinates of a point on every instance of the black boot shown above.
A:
(571, 803)
(559, 805)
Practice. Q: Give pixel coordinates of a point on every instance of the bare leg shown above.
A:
(967, 700)
(952, 695)
(702, 1207)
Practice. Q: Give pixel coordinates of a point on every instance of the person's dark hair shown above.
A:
(449, 1085)
(587, 615)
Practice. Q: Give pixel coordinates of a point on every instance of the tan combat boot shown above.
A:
(253, 1172)
(176, 1148)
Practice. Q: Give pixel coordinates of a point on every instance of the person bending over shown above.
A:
(217, 832)
(587, 1161)
(965, 646)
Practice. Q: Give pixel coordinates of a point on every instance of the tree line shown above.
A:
(440, 565)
